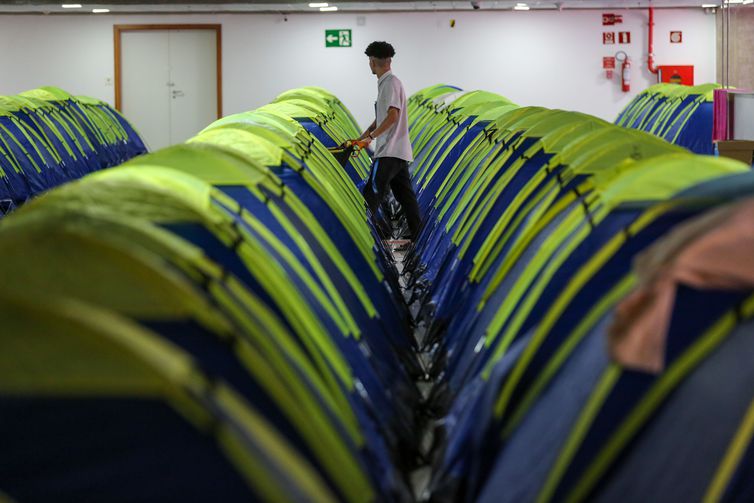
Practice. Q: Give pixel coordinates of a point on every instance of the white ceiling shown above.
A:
(229, 6)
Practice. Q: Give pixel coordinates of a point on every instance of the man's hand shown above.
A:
(357, 144)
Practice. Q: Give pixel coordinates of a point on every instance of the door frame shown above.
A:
(118, 29)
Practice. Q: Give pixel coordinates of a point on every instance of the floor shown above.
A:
(420, 476)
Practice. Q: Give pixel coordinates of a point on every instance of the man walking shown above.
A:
(389, 131)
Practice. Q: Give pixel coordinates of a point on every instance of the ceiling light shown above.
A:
(321, 4)
(100, 11)
(747, 2)
(521, 6)
(71, 6)
(709, 5)
(328, 9)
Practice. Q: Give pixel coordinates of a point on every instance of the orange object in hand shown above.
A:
(357, 146)
(357, 143)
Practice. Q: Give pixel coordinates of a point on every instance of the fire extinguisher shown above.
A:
(625, 74)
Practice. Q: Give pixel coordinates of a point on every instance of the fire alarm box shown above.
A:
(677, 74)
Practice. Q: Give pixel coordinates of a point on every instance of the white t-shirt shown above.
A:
(394, 142)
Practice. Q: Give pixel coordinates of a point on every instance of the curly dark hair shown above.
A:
(380, 50)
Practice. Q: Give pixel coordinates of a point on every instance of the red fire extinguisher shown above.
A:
(625, 74)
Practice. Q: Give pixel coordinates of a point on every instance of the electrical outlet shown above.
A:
(108, 81)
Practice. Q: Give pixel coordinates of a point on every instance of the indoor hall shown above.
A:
(376, 251)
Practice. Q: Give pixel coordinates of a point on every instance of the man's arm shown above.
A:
(392, 118)
(371, 128)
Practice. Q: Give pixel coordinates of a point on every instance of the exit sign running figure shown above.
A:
(337, 38)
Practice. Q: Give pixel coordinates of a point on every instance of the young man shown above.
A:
(389, 131)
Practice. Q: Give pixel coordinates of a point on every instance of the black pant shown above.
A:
(393, 172)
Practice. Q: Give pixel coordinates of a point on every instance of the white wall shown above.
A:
(543, 58)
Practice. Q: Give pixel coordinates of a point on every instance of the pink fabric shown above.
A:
(721, 107)
(714, 251)
(720, 115)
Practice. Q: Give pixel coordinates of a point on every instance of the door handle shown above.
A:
(177, 93)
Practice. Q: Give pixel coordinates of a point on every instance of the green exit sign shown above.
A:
(337, 38)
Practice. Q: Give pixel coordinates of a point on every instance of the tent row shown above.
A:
(48, 137)
(682, 115)
(227, 326)
(563, 372)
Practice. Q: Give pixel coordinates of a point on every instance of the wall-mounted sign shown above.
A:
(609, 19)
(337, 38)
(608, 63)
(608, 37)
(624, 37)
(676, 37)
